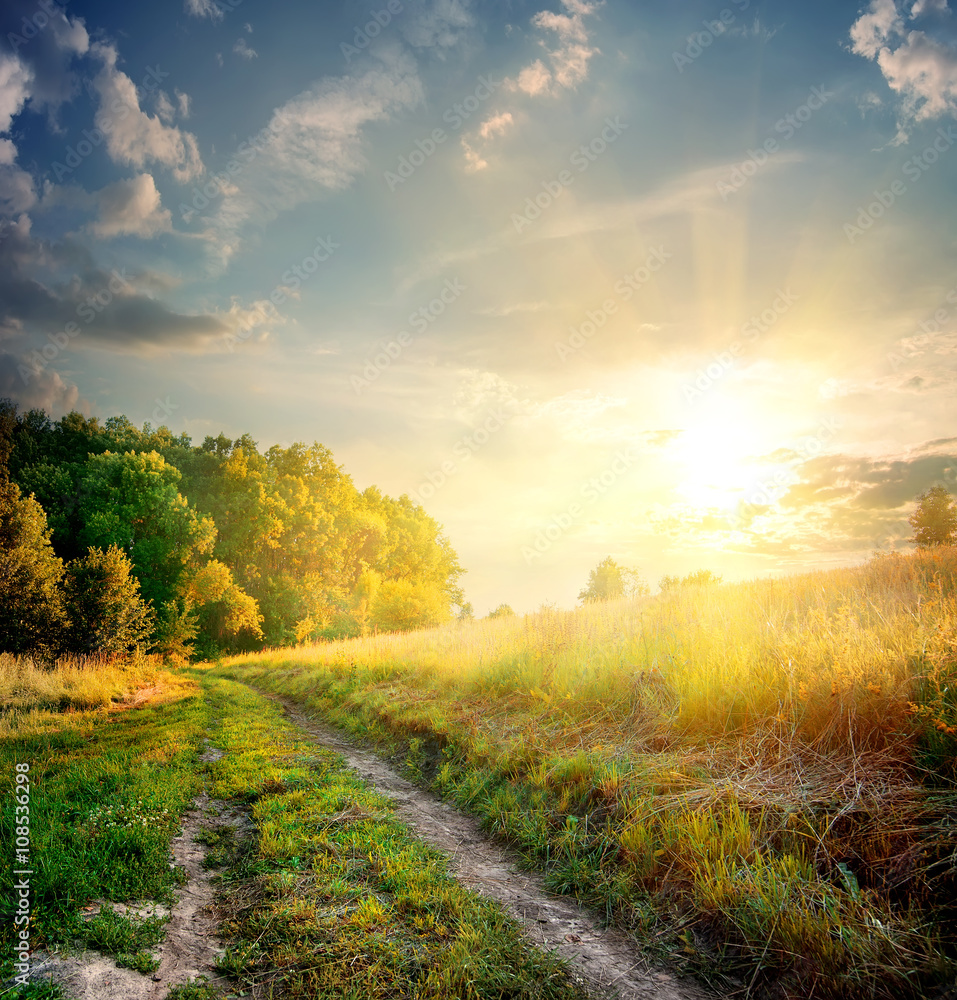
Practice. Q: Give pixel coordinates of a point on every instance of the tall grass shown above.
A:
(79, 682)
(770, 760)
(833, 659)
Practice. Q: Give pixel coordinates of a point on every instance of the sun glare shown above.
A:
(715, 463)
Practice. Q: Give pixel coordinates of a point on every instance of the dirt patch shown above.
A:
(607, 959)
(190, 948)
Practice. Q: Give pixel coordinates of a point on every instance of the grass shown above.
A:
(106, 794)
(74, 682)
(331, 897)
(336, 899)
(758, 776)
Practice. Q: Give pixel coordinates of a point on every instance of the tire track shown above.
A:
(606, 959)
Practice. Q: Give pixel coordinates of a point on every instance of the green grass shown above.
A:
(128, 938)
(330, 897)
(757, 778)
(106, 794)
(336, 899)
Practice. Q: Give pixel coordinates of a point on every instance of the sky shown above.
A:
(673, 283)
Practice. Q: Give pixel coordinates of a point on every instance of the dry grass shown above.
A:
(73, 682)
(773, 758)
(838, 659)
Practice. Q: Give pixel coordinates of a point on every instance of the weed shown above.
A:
(771, 760)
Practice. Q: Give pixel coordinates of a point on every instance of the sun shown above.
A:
(715, 461)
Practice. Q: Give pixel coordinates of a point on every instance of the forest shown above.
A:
(117, 538)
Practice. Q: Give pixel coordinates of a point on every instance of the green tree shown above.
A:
(502, 611)
(32, 618)
(177, 626)
(402, 606)
(132, 501)
(699, 578)
(104, 607)
(606, 582)
(935, 519)
(228, 617)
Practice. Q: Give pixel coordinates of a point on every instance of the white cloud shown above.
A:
(313, 144)
(17, 192)
(567, 67)
(473, 161)
(242, 49)
(435, 24)
(929, 7)
(924, 72)
(496, 125)
(569, 60)
(533, 80)
(131, 207)
(134, 137)
(164, 107)
(42, 389)
(919, 67)
(871, 30)
(204, 8)
(15, 80)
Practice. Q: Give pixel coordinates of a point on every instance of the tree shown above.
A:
(935, 519)
(227, 615)
(699, 578)
(176, 628)
(32, 619)
(605, 583)
(104, 607)
(401, 606)
(502, 611)
(635, 583)
(132, 501)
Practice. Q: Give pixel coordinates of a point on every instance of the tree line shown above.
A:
(115, 537)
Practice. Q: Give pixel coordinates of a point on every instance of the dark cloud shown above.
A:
(47, 40)
(103, 306)
(32, 388)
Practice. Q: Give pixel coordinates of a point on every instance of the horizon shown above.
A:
(584, 279)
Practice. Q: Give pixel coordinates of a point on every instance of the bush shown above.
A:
(106, 612)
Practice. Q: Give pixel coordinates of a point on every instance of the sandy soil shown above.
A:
(190, 947)
(607, 959)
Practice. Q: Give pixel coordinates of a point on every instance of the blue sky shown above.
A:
(674, 283)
